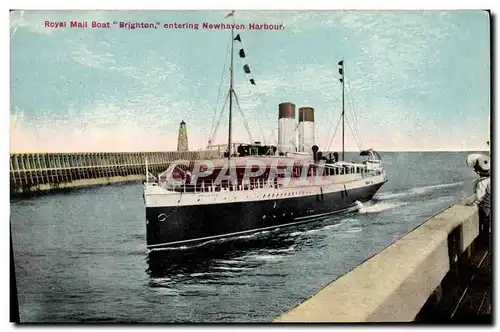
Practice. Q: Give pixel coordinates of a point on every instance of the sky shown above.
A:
(415, 80)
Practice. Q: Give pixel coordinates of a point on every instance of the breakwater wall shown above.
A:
(395, 284)
(35, 172)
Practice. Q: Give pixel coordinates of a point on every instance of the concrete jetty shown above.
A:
(39, 172)
(398, 282)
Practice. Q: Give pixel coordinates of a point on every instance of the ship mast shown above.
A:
(231, 91)
(341, 72)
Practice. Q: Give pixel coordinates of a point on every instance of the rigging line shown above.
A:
(354, 131)
(218, 122)
(329, 128)
(354, 115)
(267, 115)
(218, 93)
(335, 132)
(220, 117)
(258, 122)
(356, 121)
(355, 138)
(244, 120)
(259, 94)
(212, 134)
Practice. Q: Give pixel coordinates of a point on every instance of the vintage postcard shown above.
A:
(201, 166)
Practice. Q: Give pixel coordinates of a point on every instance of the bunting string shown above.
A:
(242, 54)
(246, 69)
(251, 79)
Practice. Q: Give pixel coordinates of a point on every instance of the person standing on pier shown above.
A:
(482, 189)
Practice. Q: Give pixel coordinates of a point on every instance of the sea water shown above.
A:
(82, 257)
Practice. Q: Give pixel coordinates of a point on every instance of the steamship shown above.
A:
(255, 187)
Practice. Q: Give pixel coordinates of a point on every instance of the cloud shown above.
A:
(63, 135)
(399, 44)
(15, 18)
(107, 127)
(102, 57)
(147, 104)
(81, 54)
(389, 48)
(26, 19)
(303, 85)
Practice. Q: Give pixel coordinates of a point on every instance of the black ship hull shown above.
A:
(180, 225)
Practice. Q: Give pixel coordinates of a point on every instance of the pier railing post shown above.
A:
(40, 179)
(83, 159)
(16, 168)
(62, 170)
(95, 170)
(134, 158)
(128, 163)
(32, 169)
(114, 164)
(88, 166)
(70, 167)
(45, 173)
(100, 164)
(79, 164)
(109, 169)
(88, 156)
(12, 172)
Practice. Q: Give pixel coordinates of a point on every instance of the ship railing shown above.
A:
(212, 186)
(373, 172)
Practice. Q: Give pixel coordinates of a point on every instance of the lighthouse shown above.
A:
(182, 142)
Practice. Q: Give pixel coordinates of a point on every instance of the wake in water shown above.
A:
(416, 191)
(377, 207)
(323, 228)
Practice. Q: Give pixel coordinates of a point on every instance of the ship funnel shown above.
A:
(306, 128)
(287, 134)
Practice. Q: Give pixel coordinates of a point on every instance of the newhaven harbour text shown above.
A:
(156, 25)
